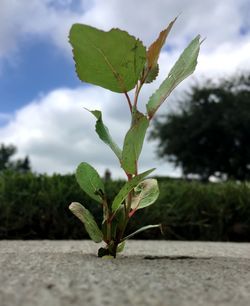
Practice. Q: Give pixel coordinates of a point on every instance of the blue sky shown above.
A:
(41, 99)
(40, 69)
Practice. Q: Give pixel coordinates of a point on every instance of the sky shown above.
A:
(42, 101)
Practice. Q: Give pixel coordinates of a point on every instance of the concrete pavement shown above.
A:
(153, 273)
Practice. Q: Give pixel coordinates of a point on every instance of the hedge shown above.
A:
(36, 207)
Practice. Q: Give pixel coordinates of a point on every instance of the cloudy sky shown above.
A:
(42, 101)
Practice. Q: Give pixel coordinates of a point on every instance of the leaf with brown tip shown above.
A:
(155, 49)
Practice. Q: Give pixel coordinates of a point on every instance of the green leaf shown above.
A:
(145, 194)
(144, 228)
(120, 247)
(184, 66)
(90, 181)
(133, 142)
(107, 256)
(120, 197)
(152, 74)
(104, 134)
(113, 59)
(88, 220)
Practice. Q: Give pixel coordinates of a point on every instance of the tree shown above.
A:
(6, 153)
(210, 134)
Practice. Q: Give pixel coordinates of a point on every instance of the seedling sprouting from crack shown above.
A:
(119, 62)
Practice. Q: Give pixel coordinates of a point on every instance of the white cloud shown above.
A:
(225, 60)
(21, 21)
(219, 21)
(57, 133)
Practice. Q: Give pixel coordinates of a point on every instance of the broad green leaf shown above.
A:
(133, 143)
(144, 228)
(120, 197)
(184, 66)
(90, 181)
(145, 194)
(155, 49)
(88, 220)
(152, 74)
(104, 135)
(113, 59)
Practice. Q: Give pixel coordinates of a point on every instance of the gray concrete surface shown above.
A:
(149, 273)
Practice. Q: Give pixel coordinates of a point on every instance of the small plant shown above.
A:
(119, 62)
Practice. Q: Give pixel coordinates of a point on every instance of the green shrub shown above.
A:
(36, 207)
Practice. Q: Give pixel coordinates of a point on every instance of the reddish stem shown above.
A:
(129, 101)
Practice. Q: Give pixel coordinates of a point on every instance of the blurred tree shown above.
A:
(210, 135)
(6, 153)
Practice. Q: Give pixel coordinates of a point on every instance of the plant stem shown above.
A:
(108, 231)
(129, 101)
(127, 206)
(137, 91)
